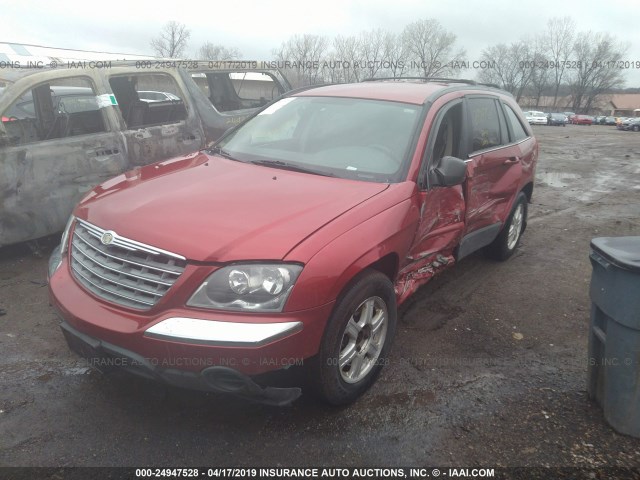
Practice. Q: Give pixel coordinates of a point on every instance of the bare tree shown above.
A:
(430, 46)
(210, 51)
(513, 66)
(557, 45)
(305, 53)
(345, 56)
(541, 74)
(172, 40)
(395, 53)
(596, 56)
(372, 52)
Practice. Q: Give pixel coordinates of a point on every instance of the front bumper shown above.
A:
(189, 340)
(104, 356)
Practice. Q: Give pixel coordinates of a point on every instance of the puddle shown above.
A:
(556, 179)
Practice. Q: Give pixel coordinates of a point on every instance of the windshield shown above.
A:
(345, 137)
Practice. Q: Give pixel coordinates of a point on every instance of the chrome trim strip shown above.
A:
(110, 280)
(136, 300)
(213, 332)
(487, 150)
(125, 259)
(122, 241)
(128, 274)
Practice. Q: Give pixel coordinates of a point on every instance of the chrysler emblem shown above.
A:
(107, 238)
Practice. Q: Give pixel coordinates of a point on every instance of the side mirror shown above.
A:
(448, 172)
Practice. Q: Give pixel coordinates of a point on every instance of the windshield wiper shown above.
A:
(289, 166)
(223, 153)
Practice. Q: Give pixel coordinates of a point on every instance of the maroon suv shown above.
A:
(295, 238)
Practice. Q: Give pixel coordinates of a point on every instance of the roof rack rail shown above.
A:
(426, 79)
(435, 79)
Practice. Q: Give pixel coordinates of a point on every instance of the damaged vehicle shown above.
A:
(295, 237)
(64, 131)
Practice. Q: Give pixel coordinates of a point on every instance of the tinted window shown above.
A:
(230, 91)
(58, 109)
(516, 127)
(485, 126)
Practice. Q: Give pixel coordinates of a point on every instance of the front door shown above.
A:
(56, 143)
(158, 120)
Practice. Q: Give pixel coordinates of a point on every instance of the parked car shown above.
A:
(295, 237)
(557, 119)
(632, 123)
(620, 121)
(582, 120)
(610, 120)
(63, 131)
(536, 118)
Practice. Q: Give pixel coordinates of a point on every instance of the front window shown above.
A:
(353, 138)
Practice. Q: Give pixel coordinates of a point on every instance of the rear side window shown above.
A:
(519, 132)
(148, 99)
(229, 91)
(58, 109)
(485, 123)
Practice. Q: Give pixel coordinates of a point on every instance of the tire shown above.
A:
(508, 240)
(636, 128)
(357, 339)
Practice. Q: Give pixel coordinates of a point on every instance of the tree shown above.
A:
(372, 52)
(305, 52)
(430, 46)
(395, 53)
(557, 45)
(596, 55)
(341, 63)
(513, 66)
(172, 40)
(541, 74)
(209, 51)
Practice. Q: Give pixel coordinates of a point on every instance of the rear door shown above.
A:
(155, 130)
(57, 141)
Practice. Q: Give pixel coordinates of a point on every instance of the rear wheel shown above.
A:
(507, 241)
(357, 340)
(636, 128)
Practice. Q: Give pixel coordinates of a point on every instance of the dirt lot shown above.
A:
(488, 368)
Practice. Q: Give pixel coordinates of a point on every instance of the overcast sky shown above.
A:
(257, 27)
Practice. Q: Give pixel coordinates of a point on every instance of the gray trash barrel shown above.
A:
(614, 339)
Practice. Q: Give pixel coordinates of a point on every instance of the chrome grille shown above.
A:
(124, 271)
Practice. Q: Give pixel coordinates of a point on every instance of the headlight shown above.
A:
(55, 260)
(255, 287)
(64, 241)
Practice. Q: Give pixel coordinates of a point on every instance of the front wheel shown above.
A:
(507, 241)
(357, 340)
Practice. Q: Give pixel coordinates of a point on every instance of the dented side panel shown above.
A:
(438, 233)
(493, 178)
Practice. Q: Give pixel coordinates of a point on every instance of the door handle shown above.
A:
(511, 160)
(103, 153)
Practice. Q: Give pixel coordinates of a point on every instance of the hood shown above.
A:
(208, 208)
